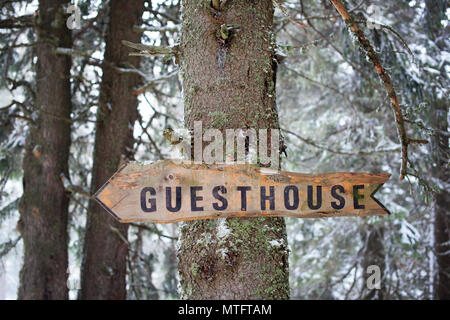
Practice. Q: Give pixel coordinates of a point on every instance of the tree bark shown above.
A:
(231, 84)
(434, 14)
(44, 204)
(105, 248)
(441, 206)
(170, 261)
(373, 255)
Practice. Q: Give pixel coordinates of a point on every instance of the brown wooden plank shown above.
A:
(128, 195)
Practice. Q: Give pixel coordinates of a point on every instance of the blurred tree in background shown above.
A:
(333, 111)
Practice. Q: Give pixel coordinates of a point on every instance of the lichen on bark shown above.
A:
(231, 85)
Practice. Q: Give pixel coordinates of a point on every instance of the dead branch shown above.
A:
(26, 21)
(153, 82)
(75, 189)
(286, 14)
(384, 76)
(21, 83)
(73, 52)
(399, 37)
(339, 152)
(145, 50)
(154, 229)
(8, 246)
(163, 29)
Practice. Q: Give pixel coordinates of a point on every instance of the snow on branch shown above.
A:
(175, 28)
(286, 14)
(146, 50)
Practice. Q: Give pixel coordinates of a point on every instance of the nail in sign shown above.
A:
(169, 191)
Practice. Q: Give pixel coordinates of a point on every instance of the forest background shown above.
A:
(334, 114)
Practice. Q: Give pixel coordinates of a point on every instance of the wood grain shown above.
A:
(132, 193)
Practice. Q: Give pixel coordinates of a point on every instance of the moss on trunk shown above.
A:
(231, 84)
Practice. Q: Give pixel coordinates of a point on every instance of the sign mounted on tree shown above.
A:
(165, 192)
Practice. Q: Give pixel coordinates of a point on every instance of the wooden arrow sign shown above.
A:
(165, 192)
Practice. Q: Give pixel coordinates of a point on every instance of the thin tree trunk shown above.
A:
(231, 84)
(170, 261)
(373, 255)
(140, 282)
(44, 204)
(434, 14)
(105, 248)
(442, 205)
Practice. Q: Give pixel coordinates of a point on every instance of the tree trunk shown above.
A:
(373, 255)
(105, 248)
(140, 272)
(434, 14)
(44, 204)
(442, 204)
(170, 261)
(231, 84)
